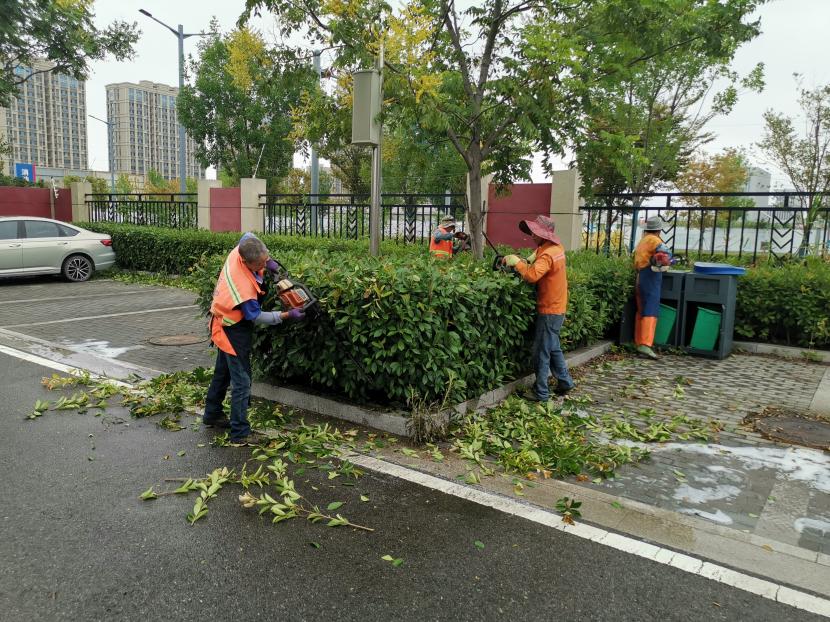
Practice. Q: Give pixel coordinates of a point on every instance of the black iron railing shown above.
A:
(752, 224)
(404, 217)
(159, 210)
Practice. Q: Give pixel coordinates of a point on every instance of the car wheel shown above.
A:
(77, 268)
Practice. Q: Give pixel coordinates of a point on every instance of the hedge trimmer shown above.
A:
(294, 294)
(497, 262)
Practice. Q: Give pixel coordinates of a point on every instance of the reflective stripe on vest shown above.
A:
(236, 284)
(441, 249)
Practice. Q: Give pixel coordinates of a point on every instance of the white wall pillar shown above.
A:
(253, 214)
(485, 196)
(203, 200)
(564, 207)
(79, 190)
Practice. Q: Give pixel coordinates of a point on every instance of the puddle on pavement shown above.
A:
(718, 516)
(98, 348)
(795, 464)
(820, 528)
(732, 486)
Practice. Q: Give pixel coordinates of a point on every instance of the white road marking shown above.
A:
(761, 587)
(54, 298)
(66, 369)
(100, 317)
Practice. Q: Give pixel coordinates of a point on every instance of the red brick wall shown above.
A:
(63, 205)
(225, 209)
(25, 202)
(35, 202)
(522, 202)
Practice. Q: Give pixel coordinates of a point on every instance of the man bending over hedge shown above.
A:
(234, 311)
(546, 268)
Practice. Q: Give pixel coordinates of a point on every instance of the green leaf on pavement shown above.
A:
(334, 505)
(148, 494)
(479, 544)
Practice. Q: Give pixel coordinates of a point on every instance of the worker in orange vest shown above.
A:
(234, 312)
(445, 241)
(546, 268)
(651, 259)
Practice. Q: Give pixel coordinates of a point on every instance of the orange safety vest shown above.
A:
(236, 284)
(441, 249)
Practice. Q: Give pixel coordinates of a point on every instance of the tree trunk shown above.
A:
(476, 213)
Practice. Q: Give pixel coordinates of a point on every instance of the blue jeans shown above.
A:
(547, 353)
(233, 371)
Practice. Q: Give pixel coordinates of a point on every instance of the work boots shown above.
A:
(646, 351)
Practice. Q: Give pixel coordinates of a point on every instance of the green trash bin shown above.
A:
(706, 330)
(665, 324)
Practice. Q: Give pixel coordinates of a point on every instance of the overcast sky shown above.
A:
(794, 39)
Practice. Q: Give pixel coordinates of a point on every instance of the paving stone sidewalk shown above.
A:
(738, 479)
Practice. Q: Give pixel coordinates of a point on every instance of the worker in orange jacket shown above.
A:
(234, 312)
(445, 241)
(546, 268)
(651, 259)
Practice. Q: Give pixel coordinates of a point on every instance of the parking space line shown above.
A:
(49, 364)
(100, 317)
(754, 585)
(55, 298)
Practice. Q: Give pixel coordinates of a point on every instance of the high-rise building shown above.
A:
(45, 124)
(145, 130)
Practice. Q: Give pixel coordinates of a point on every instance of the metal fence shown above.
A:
(404, 217)
(710, 224)
(160, 210)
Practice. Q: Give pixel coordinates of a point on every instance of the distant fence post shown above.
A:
(79, 190)
(564, 207)
(203, 201)
(253, 213)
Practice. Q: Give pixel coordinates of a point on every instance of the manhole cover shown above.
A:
(793, 427)
(176, 340)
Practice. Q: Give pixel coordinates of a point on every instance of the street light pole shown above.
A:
(181, 36)
(110, 151)
(182, 137)
(315, 165)
(377, 170)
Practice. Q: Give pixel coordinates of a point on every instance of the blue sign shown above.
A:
(25, 171)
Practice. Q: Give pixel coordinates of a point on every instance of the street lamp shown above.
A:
(109, 151)
(181, 36)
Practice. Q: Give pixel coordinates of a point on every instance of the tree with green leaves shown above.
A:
(641, 133)
(504, 78)
(123, 184)
(238, 109)
(725, 172)
(62, 33)
(803, 157)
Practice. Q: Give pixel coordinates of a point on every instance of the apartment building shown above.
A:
(46, 124)
(145, 130)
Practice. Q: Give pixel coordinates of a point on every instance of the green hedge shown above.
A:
(418, 327)
(175, 251)
(787, 304)
(423, 328)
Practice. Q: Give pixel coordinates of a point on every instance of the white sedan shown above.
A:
(30, 246)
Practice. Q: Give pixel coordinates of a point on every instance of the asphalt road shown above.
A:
(76, 543)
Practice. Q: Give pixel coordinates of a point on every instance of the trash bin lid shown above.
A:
(703, 267)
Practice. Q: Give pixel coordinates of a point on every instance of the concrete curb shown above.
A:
(822, 356)
(396, 421)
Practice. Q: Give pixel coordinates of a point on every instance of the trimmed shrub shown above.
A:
(787, 304)
(175, 251)
(398, 328)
